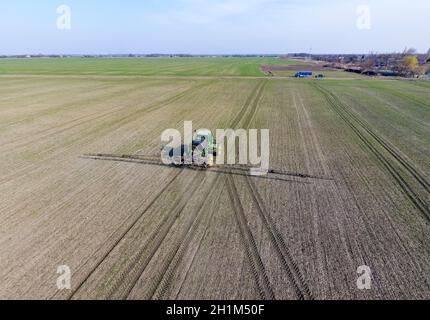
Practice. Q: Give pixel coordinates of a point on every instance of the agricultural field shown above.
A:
(141, 67)
(350, 184)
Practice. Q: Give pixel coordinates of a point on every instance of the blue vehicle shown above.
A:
(303, 74)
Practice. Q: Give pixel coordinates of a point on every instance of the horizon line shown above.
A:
(36, 55)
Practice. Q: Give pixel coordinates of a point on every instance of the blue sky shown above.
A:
(213, 26)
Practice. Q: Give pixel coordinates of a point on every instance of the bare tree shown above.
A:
(368, 62)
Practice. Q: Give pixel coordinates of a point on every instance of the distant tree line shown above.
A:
(408, 63)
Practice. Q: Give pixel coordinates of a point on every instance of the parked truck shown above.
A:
(302, 74)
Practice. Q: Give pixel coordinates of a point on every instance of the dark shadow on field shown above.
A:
(276, 175)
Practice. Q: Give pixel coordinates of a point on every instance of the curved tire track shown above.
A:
(385, 144)
(349, 118)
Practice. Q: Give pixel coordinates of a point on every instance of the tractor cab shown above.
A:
(204, 147)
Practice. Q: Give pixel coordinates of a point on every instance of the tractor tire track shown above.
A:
(248, 102)
(385, 144)
(165, 285)
(254, 105)
(300, 287)
(292, 271)
(254, 257)
(415, 199)
(165, 279)
(161, 232)
(256, 264)
(123, 235)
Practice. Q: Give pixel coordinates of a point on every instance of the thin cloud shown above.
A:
(208, 11)
(214, 26)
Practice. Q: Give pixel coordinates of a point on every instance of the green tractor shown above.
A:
(202, 153)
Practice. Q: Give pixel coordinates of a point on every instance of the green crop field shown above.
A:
(328, 74)
(349, 186)
(140, 66)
